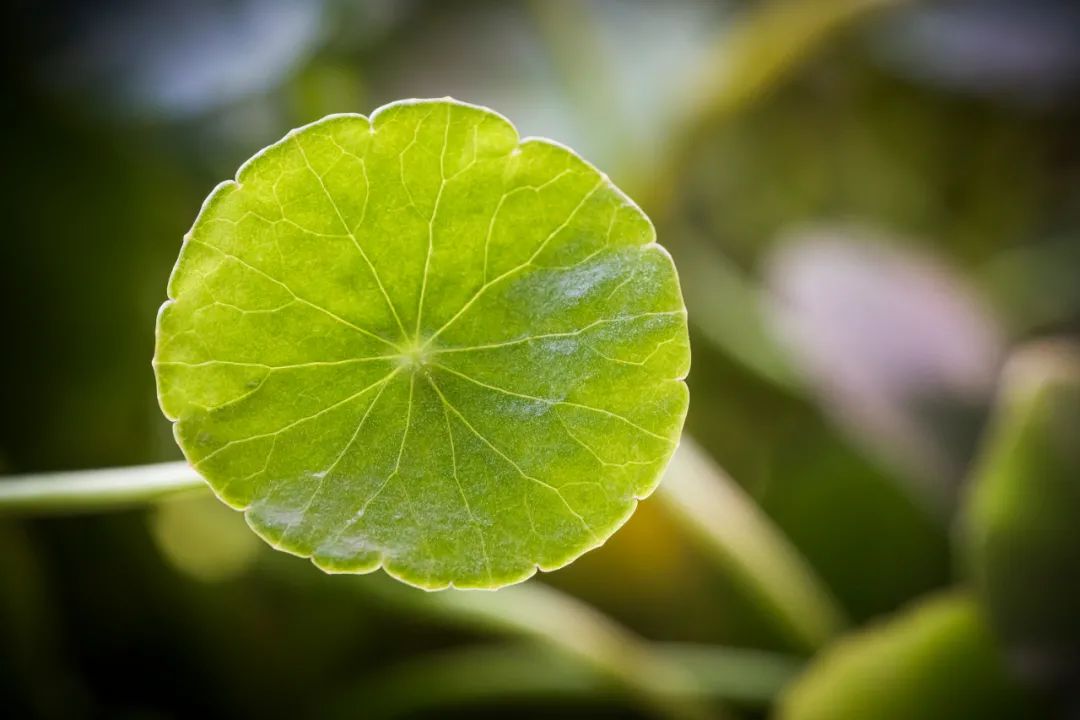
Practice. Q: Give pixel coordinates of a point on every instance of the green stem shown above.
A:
(707, 501)
(765, 46)
(472, 675)
(679, 682)
(96, 490)
(747, 544)
(702, 497)
(572, 628)
(569, 30)
(734, 305)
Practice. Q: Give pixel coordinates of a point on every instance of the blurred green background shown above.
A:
(875, 209)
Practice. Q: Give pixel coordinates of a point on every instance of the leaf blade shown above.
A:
(422, 343)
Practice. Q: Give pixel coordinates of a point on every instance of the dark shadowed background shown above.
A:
(872, 204)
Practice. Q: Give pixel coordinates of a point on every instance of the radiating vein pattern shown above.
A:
(419, 342)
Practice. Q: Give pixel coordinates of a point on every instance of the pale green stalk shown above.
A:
(474, 675)
(96, 490)
(746, 543)
(762, 49)
(574, 629)
(703, 498)
(734, 528)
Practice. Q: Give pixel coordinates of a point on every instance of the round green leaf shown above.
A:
(935, 661)
(422, 343)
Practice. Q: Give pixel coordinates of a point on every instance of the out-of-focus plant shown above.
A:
(554, 376)
(936, 661)
(1020, 536)
(833, 375)
(903, 354)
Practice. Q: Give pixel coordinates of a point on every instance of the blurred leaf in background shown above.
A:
(934, 143)
(177, 61)
(204, 538)
(904, 354)
(938, 660)
(1020, 535)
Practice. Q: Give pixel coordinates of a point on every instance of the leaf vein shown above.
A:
(554, 402)
(527, 263)
(306, 418)
(431, 224)
(461, 489)
(351, 234)
(333, 466)
(549, 336)
(286, 288)
(511, 462)
(264, 366)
